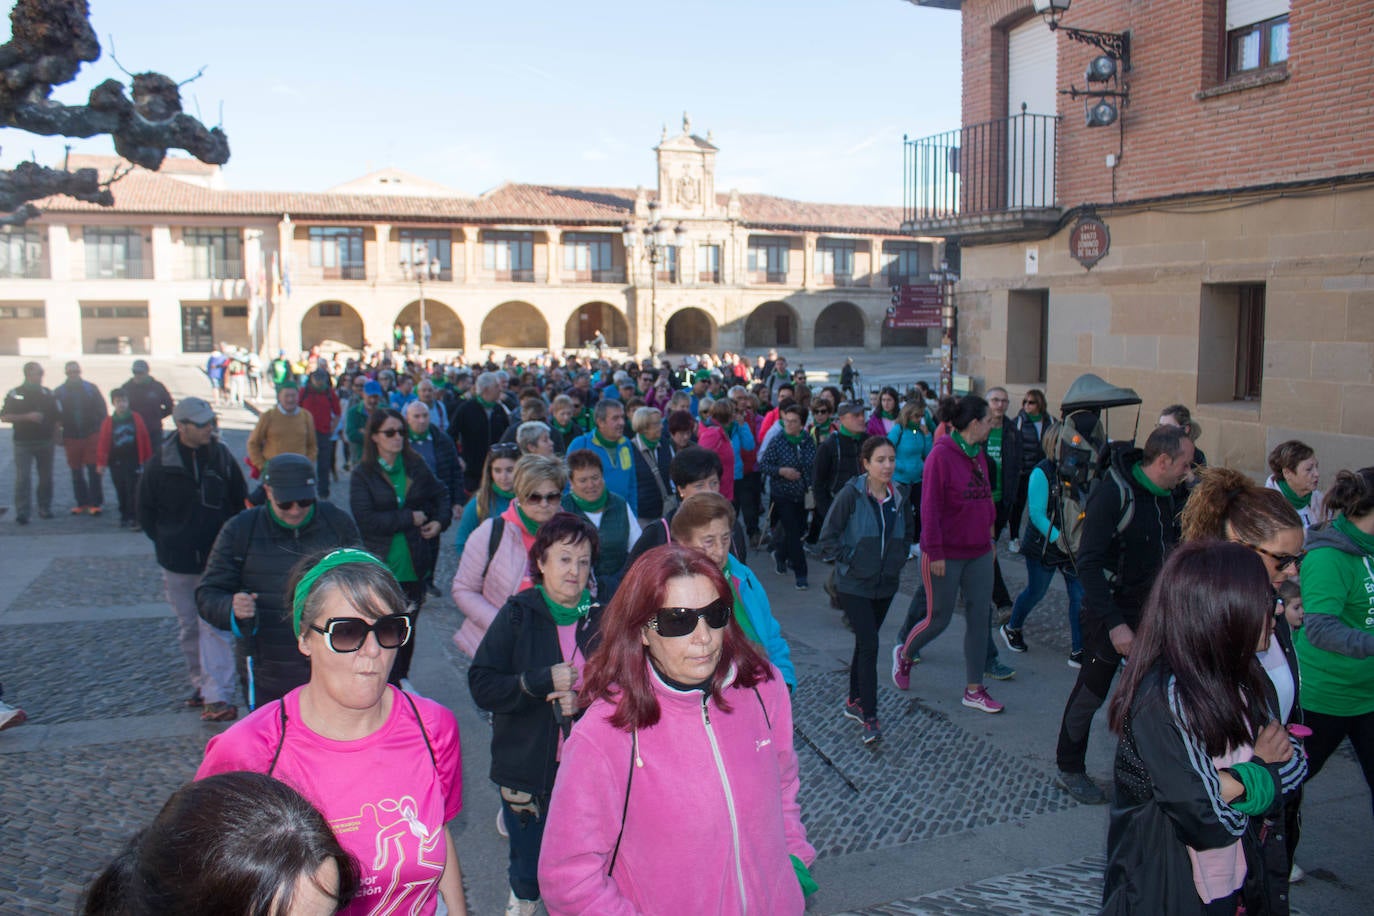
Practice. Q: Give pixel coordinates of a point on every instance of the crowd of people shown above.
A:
(627, 654)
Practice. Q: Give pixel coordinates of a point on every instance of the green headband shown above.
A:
(332, 560)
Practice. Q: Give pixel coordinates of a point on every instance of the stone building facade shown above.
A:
(181, 263)
(1237, 188)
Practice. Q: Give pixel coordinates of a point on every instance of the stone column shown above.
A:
(62, 309)
(382, 270)
(555, 263)
(808, 260)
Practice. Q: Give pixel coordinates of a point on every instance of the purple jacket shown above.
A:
(957, 513)
(877, 426)
(712, 817)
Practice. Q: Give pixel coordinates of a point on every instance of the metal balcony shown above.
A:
(986, 182)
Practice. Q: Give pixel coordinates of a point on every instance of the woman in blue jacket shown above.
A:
(912, 436)
(704, 522)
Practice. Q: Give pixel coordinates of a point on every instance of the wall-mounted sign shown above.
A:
(1089, 241)
(915, 306)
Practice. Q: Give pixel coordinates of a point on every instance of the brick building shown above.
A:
(181, 263)
(1236, 184)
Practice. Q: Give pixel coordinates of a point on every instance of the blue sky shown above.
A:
(807, 99)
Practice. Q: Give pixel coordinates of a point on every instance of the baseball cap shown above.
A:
(140, 365)
(372, 388)
(702, 375)
(849, 407)
(193, 410)
(291, 477)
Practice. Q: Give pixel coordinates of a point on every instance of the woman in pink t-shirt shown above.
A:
(383, 767)
(526, 673)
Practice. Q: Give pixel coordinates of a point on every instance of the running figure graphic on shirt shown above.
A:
(397, 821)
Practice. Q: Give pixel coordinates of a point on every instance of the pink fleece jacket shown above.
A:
(712, 818)
(957, 513)
(718, 441)
(480, 598)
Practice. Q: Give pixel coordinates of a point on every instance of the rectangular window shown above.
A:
(1028, 336)
(510, 255)
(835, 262)
(114, 252)
(338, 252)
(21, 255)
(330, 309)
(589, 256)
(667, 265)
(23, 311)
(902, 261)
(236, 311)
(427, 251)
(213, 254)
(114, 311)
(768, 260)
(708, 263)
(1256, 35)
(1231, 342)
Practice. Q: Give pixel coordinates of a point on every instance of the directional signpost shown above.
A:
(915, 306)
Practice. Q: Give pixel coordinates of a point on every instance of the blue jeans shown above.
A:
(1038, 579)
(526, 829)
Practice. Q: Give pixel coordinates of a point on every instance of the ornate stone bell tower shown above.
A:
(687, 175)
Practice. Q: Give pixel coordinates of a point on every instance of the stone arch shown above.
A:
(446, 328)
(690, 330)
(588, 318)
(840, 324)
(515, 325)
(332, 320)
(772, 324)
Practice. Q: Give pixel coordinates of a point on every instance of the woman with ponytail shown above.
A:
(1336, 643)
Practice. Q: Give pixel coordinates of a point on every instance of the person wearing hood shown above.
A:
(1336, 643)
(684, 755)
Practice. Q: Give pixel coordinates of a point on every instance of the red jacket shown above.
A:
(718, 441)
(106, 442)
(323, 407)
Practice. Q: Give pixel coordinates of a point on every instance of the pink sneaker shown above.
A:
(901, 669)
(981, 699)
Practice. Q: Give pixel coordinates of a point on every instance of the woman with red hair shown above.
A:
(684, 755)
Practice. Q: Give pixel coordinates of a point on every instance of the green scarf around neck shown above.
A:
(1138, 472)
(1294, 500)
(563, 614)
(650, 444)
(608, 446)
(310, 514)
(970, 450)
(844, 431)
(1361, 540)
(795, 440)
(530, 524)
(1035, 417)
(888, 414)
(486, 405)
(504, 494)
(591, 505)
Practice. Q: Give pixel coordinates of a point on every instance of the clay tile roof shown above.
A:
(147, 193)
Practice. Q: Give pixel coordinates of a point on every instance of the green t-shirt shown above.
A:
(1340, 584)
(994, 447)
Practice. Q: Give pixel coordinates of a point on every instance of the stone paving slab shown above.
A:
(81, 581)
(79, 807)
(1071, 889)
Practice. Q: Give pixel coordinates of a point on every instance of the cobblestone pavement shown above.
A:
(955, 812)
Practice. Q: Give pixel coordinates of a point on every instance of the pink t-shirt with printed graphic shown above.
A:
(385, 799)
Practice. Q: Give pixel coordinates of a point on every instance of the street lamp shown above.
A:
(945, 279)
(655, 250)
(419, 263)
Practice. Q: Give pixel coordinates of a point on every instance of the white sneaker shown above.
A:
(517, 907)
(914, 553)
(1014, 546)
(10, 716)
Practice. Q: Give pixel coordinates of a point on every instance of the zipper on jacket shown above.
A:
(729, 800)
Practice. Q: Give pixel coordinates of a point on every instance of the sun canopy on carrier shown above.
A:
(1093, 392)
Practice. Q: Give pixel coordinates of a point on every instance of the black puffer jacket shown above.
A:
(523, 640)
(255, 554)
(182, 511)
(373, 501)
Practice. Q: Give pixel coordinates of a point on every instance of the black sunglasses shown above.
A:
(1283, 560)
(549, 498)
(390, 432)
(293, 503)
(681, 621)
(505, 448)
(347, 634)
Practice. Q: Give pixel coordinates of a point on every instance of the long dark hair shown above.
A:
(960, 412)
(228, 845)
(1205, 616)
(616, 672)
(374, 423)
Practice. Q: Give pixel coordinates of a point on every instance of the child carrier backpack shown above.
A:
(1086, 462)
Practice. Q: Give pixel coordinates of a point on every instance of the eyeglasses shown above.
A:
(290, 504)
(1282, 560)
(390, 432)
(347, 634)
(546, 498)
(505, 448)
(682, 621)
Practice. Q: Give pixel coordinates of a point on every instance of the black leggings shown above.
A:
(866, 616)
(1327, 732)
(415, 595)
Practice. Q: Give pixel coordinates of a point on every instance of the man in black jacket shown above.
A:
(837, 460)
(190, 487)
(480, 421)
(149, 399)
(82, 410)
(33, 411)
(244, 586)
(1130, 525)
(1003, 446)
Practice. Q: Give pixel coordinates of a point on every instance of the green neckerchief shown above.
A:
(1346, 527)
(888, 414)
(530, 524)
(844, 431)
(562, 430)
(1138, 472)
(504, 494)
(1294, 500)
(1034, 417)
(591, 505)
(970, 450)
(310, 514)
(415, 438)
(486, 405)
(741, 617)
(562, 613)
(650, 444)
(396, 473)
(608, 446)
(795, 440)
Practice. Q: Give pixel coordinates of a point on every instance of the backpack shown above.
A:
(1085, 463)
